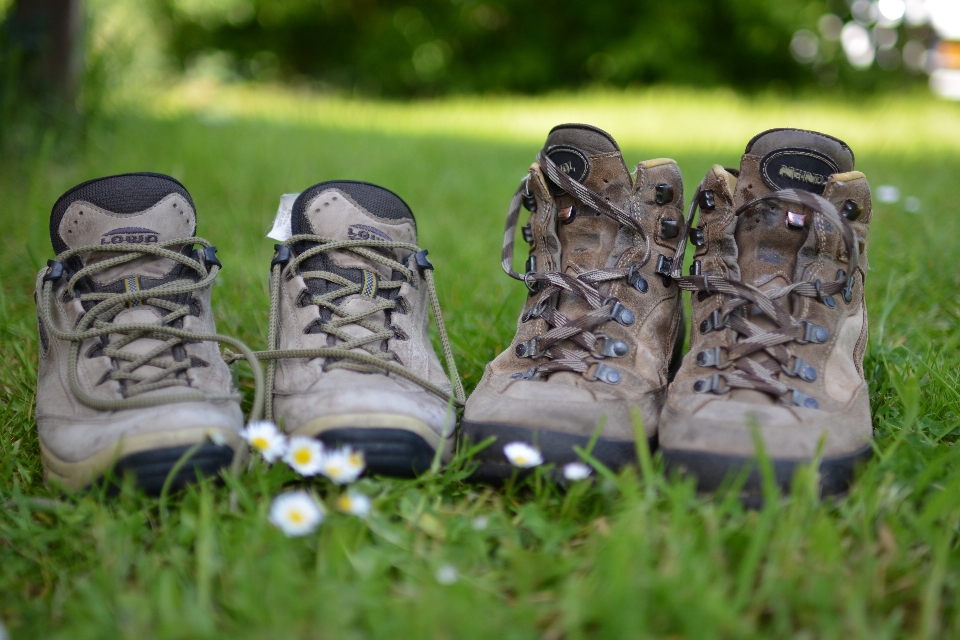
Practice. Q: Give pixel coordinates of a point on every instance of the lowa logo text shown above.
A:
(132, 235)
(363, 232)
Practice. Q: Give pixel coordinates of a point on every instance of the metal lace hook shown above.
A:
(533, 288)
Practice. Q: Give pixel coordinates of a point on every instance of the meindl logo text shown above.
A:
(803, 176)
(132, 235)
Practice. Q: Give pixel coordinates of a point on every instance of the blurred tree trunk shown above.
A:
(48, 34)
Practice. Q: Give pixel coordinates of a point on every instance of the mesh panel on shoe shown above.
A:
(378, 201)
(124, 193)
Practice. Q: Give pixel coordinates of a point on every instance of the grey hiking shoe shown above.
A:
(350, 360)
(596, 335)
(779, 322)
(130, 374)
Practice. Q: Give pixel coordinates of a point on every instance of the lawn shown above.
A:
(631, 556)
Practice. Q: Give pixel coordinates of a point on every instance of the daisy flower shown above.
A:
(343, 466)
(354, 503)
(263, 436)
(304, 455)
(522, 455)
(295, 513)
(576, 471)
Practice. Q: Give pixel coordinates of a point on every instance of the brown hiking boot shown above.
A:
(595, 337)
(351, 361)
(130, 375)
(779, 322)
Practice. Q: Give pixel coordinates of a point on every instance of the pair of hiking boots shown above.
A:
(131, 378)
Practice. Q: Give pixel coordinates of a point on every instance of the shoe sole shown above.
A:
(556, 447)
(392, 444)
(712, 470)
(149, 458)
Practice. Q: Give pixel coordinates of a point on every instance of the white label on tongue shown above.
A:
(283, 224)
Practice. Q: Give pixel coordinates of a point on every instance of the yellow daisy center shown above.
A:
(260, 443)
(296, 517)
(520, 459)
(302, 456)
(355, 459)
(335, 470)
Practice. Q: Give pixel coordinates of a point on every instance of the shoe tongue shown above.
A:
(769, 236)
(137, 208)
(575, 149)
(591, 157)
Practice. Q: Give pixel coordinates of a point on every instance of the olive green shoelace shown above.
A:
(355, 353)
(98, 322)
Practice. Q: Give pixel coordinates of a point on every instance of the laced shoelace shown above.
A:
(594, 347)
(738, 359)
(353, 352)
(97, 322)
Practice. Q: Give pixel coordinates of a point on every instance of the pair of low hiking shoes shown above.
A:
(131, 377)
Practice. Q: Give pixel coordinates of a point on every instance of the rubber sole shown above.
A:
(712, 470)
(155, 453)
(556, 447)
(393, 444)
(389, 452)
(152, 468)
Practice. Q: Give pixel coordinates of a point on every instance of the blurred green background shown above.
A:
(85, 51)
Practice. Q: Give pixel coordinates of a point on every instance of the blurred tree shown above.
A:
(41, 61)
(43, 42)
(404, 47)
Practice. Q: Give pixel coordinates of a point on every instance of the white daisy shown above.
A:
(264, 437)
(304, 455)
(576, 471)
(343, 466)
(296, 513)
(354, 503)
(480, 523)
(522, 455)
(447, 574)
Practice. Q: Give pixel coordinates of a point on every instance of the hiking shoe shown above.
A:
(779, 322)
(350, 360)
(595, 336)
(130, 375)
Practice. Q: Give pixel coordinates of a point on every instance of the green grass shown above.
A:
(632, 556)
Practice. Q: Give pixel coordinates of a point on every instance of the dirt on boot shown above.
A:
(779, 325)
(602, 321)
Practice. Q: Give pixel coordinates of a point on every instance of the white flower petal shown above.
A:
(354, 503)
(295, 513)
(447, 574)
(522, 455)
(576, 471)
(305, 455)
(480, 523)
(264, 437)
(343, 466)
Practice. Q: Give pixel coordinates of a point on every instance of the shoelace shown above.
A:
(546, 285)
(355, 353)
(738, 361)
(98, 322)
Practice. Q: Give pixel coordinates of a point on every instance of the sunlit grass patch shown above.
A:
(672, 119)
